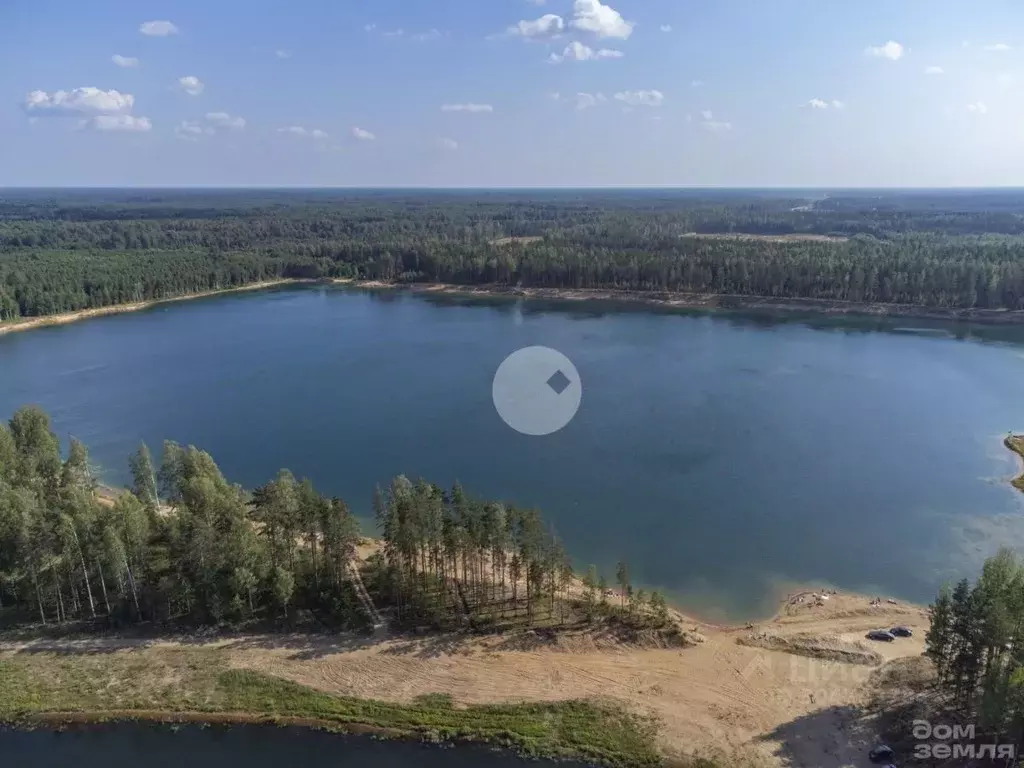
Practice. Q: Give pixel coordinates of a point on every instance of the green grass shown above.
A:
(199, 681)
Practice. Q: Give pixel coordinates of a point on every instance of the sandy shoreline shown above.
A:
(705, 301)
(63, 318)
(682, 301)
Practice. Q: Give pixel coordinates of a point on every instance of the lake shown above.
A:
(727, 458)
(131, 745)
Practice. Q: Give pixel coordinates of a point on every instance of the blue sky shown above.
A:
(581, 93)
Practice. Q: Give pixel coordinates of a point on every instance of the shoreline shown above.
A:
(698, 302)
(1015, 443)
(64, 318)
(703, 301)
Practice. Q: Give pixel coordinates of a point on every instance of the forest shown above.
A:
(79, 249)
(185, 547)
(973, 642)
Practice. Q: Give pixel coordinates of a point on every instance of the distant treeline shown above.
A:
(84, 250)
(184, 545)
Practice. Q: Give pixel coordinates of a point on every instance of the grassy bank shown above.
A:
(1016, 444)
(63, 318)
(167, 684)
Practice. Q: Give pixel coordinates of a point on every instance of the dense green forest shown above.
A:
(69, 250)
(974, 642)
(186, 546)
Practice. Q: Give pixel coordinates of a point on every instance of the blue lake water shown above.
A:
(728, 458)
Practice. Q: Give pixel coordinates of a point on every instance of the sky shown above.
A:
(512, 93)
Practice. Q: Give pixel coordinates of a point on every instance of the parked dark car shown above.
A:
(882, 754)
(902, 631)
(881, 634)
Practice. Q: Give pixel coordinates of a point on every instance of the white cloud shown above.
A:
(298, 130)
(79, 101)
(158, 28)
(191, 85)
(370, 27)
(394, 33)
(603, 20)
(548, 24)
(696, 83)
(124, 61)
(224, 120)
(641, 98)
(467, 108)
(120, 123)
(666, 27)
(890, 50)
(979, 107)
(710, 124)
(536, 2)
(451, 143)
(282, 54)
(191, 131)
(998, 47)
(1006, 79)
(431, 34)
(362, 134)
(576, 51)
(587, 100)
(934, 70)
(821, 104)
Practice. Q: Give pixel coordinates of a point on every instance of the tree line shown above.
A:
(184, 545)
(60, 255)
(975, 641)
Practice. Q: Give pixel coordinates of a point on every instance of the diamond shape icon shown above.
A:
(559, 382)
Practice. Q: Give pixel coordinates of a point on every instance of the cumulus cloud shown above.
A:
(298, 130)
(224, 120)
(548, 24)
(709, 123)
(191, 85)
(934, 70)
(666, 27)
(978, 107)
(998, 47)
(641, 98)
(124, 61)
(602, 20)
(362, 134)
(451, 143)
(588, 100)
(120, 123)
(823, 104)
(192, 131)
(79, 101)
(158, 28)
(467, 108)
(890, 50)
(576, 51)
